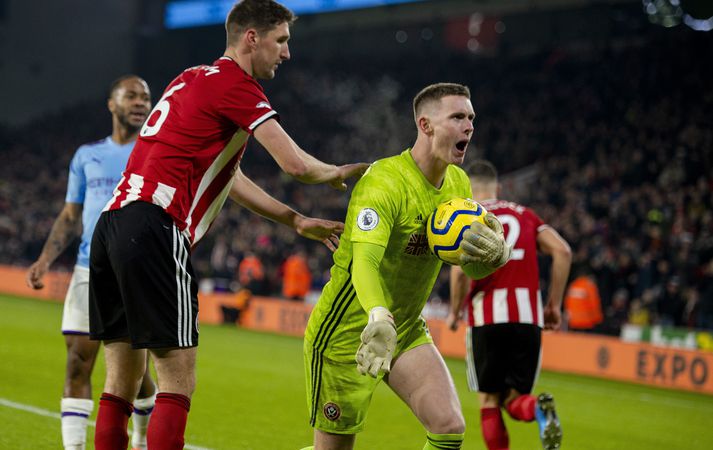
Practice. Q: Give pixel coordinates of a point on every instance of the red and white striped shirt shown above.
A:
(512, 293)
(192, 143)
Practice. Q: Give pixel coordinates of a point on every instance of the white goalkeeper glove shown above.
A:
(485, 244)
(378, 341)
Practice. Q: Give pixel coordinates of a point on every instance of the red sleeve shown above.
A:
(246, 106)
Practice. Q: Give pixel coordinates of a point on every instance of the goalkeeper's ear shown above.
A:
(477, 270)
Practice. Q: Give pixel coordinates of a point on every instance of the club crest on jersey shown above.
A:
(367, 219)
(331, 411)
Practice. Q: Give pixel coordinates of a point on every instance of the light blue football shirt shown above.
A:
(93, 173)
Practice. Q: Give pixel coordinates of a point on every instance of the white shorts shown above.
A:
(75, 317)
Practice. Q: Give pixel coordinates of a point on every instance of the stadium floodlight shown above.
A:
(667, 13)
(696, 14)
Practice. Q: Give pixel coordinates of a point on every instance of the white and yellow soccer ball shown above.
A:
(446, 225)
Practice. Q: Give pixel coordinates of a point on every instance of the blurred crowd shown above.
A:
(610, 143)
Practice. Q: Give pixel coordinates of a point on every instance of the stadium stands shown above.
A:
(617, 134)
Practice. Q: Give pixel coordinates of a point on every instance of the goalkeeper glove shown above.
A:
(485, 244)
(378, 341)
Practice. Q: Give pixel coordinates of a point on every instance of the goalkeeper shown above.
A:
(367, 324)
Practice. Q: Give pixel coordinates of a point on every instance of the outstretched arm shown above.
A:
(300, 164)
(250, 195)
(67, 226)
(551, 243)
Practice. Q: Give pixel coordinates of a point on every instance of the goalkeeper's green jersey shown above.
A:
(389, 207)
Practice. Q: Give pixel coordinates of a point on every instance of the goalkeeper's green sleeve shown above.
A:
(365, 275)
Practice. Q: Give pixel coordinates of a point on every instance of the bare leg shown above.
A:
(125, 367)
(148, 386)
(176, 369)
(81, 355)
(77, 405)
(330, 441)
(143, 407)
(421, 379)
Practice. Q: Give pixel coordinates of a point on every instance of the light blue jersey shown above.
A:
(93, 173)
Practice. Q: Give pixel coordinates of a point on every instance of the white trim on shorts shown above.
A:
(75, 313)
(470, 361)
(183, 289)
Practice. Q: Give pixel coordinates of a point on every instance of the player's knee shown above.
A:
(79, 366)
(452, 423)
(457, 425)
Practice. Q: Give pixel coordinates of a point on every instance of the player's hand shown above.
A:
(453, 321)
(347, 171)
(35, 274)
(378, 342)
(552, 317)
(485, 243)
(324, 231)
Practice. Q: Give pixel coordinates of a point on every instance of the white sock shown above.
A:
(140, 419)
(75, 414)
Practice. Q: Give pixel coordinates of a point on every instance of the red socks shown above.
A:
(112, 418)
(168, 422)
(494, 432)
(523, 408)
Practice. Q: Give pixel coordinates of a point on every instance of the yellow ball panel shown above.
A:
(447, 224)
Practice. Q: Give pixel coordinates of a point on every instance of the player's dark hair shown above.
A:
(116, 84)
(482, 171)
(436, 92)
(263, 15)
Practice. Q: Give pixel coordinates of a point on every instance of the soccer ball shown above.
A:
(446, 225)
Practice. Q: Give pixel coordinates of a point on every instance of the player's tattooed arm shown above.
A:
(67, 226)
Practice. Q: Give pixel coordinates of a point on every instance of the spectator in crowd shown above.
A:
(670, 305)
(582, 304)
(296, 276)
(617, 313)
(251, 274)
(705, 313)
(638, 314)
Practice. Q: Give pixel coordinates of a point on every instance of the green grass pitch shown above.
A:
(251, 396)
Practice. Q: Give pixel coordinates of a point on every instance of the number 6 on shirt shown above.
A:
(162, 107)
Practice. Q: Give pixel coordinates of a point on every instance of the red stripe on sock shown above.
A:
(495, 434)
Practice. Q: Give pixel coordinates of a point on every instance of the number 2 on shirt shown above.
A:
(513, 235)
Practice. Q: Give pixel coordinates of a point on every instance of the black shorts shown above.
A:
(141, 283)
(503, 356)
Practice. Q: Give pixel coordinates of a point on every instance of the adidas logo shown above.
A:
(418, 219)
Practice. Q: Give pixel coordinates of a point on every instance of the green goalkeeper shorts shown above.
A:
(338, 396)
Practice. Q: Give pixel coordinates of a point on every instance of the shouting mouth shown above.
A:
(461, 145)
